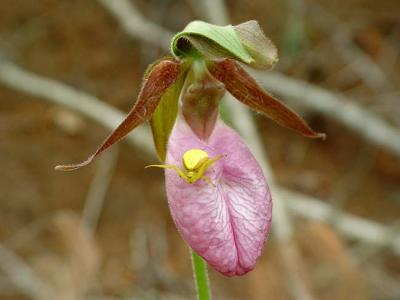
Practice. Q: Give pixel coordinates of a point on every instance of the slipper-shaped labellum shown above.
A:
(226, 221)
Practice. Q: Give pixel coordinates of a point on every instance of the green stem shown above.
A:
(200, 277)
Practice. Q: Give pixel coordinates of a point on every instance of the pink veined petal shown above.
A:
(227, 224)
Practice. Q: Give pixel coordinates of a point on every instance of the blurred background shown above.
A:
(69, 69)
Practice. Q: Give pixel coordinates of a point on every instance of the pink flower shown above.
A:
(226, 223)
(216, 190)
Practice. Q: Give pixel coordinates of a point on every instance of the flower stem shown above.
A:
(200, 277)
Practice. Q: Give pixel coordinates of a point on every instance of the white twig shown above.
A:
(213, 10)
(104, 114)
(98, 188)
(22, 276)
(335, 106)
(135, 24)
(351, 226)
(62, 94)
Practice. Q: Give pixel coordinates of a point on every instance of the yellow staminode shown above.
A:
(194, 159)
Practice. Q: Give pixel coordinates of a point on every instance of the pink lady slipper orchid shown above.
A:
(217, 193)
(225, 218)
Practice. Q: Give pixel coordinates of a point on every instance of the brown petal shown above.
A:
(244, 88)
(160, 76)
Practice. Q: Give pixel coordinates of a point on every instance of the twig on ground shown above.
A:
(351, 226)
(135, 24)
(98, 188)
(22, 276)
(214, 10)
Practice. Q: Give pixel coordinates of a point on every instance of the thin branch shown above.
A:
(126, 13)
(62, 94)
(213, 10)
(104, 114)
(22, 276)
(99, 187)
(351, 226)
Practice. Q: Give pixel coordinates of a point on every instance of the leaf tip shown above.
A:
(321, 135)
(316, 135)
(73, 167)
(65, 168)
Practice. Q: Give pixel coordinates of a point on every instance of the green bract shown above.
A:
(163, 118)
(210, 41)
(245, 42)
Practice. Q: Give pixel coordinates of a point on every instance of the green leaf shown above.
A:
(245, 42)
(164, 116)
(210, 41)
